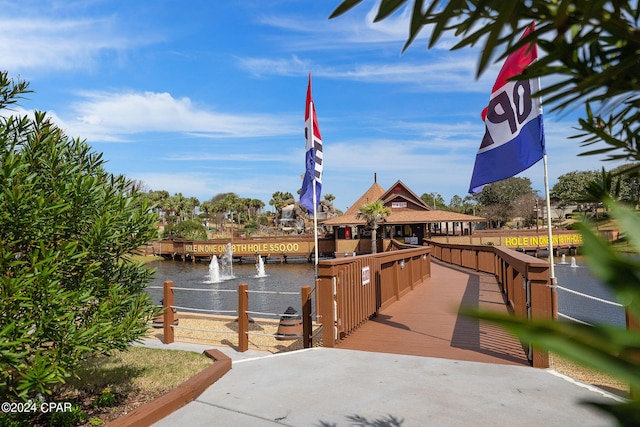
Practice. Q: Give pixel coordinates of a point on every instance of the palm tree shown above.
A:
(374, 214)
(256, 205)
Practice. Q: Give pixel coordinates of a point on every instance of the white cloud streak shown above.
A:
(449, 73)
(28, 44)
(251, 158)
(112, 117)
(355, 29)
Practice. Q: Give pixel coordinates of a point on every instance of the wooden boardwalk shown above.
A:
(425, 322)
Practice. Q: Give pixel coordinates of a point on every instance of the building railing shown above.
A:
(350, 290)
(523, 279)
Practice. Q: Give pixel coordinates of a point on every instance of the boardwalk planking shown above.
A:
(426, 322)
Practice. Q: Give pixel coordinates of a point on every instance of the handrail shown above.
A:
(350, 290)
(523, 279)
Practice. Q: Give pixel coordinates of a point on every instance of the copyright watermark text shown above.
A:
(34, 406)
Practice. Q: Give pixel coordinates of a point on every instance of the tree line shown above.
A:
(498, 202)
(190, 217)
(514, 197)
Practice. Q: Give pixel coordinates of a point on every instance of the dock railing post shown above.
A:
(542, 307)
(326, 309)
(396, 279)
(305, 293)
(243, 317)
(167, 303)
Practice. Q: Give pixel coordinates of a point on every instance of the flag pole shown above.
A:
(315, 229)
(552, 274)
(315, 196)
(313, 167)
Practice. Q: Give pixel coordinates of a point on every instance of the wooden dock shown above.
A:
(427, 322)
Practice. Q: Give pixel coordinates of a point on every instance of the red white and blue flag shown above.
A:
(514, 134)
(313, 157)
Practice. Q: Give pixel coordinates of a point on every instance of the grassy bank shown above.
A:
(108, 387)
(145, 258)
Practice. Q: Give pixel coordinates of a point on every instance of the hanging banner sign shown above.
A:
(525, 241)
(247, 248)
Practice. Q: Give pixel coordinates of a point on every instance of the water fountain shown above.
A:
(564, 259)
(226, 263)
(260, 268)
(573, 262)
(214, 270)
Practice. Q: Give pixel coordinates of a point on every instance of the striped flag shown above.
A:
(514, 133)
(313, 157)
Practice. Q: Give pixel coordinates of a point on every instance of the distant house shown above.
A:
(411, 221)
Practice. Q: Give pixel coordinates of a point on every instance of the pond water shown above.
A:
(578, 278)
(291, 277)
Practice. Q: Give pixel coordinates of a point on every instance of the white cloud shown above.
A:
(393, 157)
(244, 157)
(293, 66)
(103, 116)
(439, 131)
(61, 44)
(445, 73)
(175, 182)
(353, 29)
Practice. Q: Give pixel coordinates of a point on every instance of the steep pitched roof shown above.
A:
(419, 213)
(400, 189)
(371, 195)
(349, 217)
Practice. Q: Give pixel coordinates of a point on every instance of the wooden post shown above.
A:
(306, 316)
(168, 302)
(412, 263)
(396, 279)
(326, 309)
(243, 317)
(542, 307)
(476, 257)
(428, 261)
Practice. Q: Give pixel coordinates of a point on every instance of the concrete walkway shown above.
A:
(337, 387)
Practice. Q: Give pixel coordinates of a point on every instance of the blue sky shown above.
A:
(205, 97)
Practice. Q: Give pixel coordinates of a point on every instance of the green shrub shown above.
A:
(68, 418)
(105, 400)
(68, 288)
(190, 229)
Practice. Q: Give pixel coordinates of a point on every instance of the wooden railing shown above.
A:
(524, 280)
(351, 290)
(170, 315)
